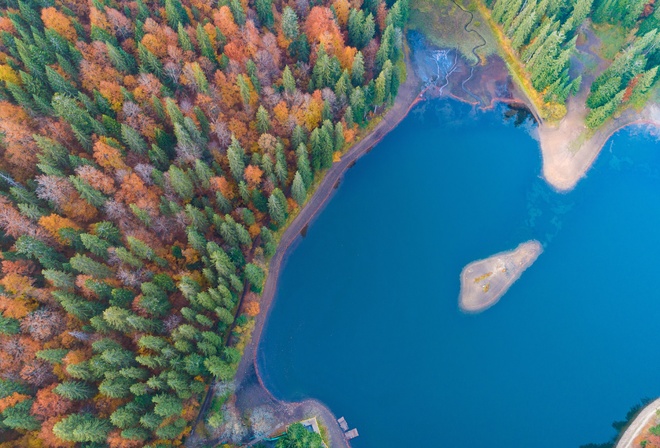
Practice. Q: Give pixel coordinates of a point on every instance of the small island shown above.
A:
(483, 282)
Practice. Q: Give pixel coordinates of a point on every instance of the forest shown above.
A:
(150, 152)
(543, 35)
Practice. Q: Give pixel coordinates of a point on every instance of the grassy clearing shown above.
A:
(612, 38)
(589, 63)
(442, 22)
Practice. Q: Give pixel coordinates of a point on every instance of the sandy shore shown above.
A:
(484, 282)
(570, 149)
(636, 427)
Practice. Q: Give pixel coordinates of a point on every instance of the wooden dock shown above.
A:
(349, 434)
(353, 433)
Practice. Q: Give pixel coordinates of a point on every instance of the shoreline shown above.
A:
(636, 427)
(248, 371)
(563, 169)
(251, 391)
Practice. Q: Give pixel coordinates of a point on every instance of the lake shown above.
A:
(366, 316)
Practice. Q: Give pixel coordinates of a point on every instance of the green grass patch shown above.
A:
(612, 38)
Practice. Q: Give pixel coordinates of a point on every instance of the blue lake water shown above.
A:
(366, 316)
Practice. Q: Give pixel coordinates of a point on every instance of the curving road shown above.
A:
(637, 425)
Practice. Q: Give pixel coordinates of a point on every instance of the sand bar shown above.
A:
(483, 282)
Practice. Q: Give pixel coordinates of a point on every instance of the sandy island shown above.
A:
(483, 282)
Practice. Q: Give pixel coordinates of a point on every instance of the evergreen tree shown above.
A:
(75, 390)
(298, 190)
(288, 81)
(181, 183)
(263, 120)
(237, 11)
(236, 156)
(175, 13)
(184, 38)
(357, 70)
(86, 265)
(277, 207)
(82, 428)
(265, 12)
(358, 104)
(604, 93)
(289, 23)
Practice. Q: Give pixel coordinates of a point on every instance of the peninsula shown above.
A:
(483, 282)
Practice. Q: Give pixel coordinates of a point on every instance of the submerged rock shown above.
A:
(483, 282)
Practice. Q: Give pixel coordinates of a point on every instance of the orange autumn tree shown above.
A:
(149, 153)
(59, 23)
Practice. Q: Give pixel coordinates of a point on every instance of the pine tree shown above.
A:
(339, 136)
(53, 355)
(380, 89)
(149, 62)
(75, 390)
(175, 13)
(236, 156)
(86, 265)
(358, 104)
(265, 12)
(303, 165)
(219, 368)
(604, 93)
(115, 386)
(298, 190)
(288, 81)
(18, 417)
(263, 120)
(522, 33)
(117, 318)
(82, 428)
(10, 326)
(268, 242)
(644, 82)
(237, 11)
(277, 207)
(289, 23)
(357, 70)
(125, 416)
(184, 38)
(122, 60)
(95, 245)
(181, 183)
(244, 90)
